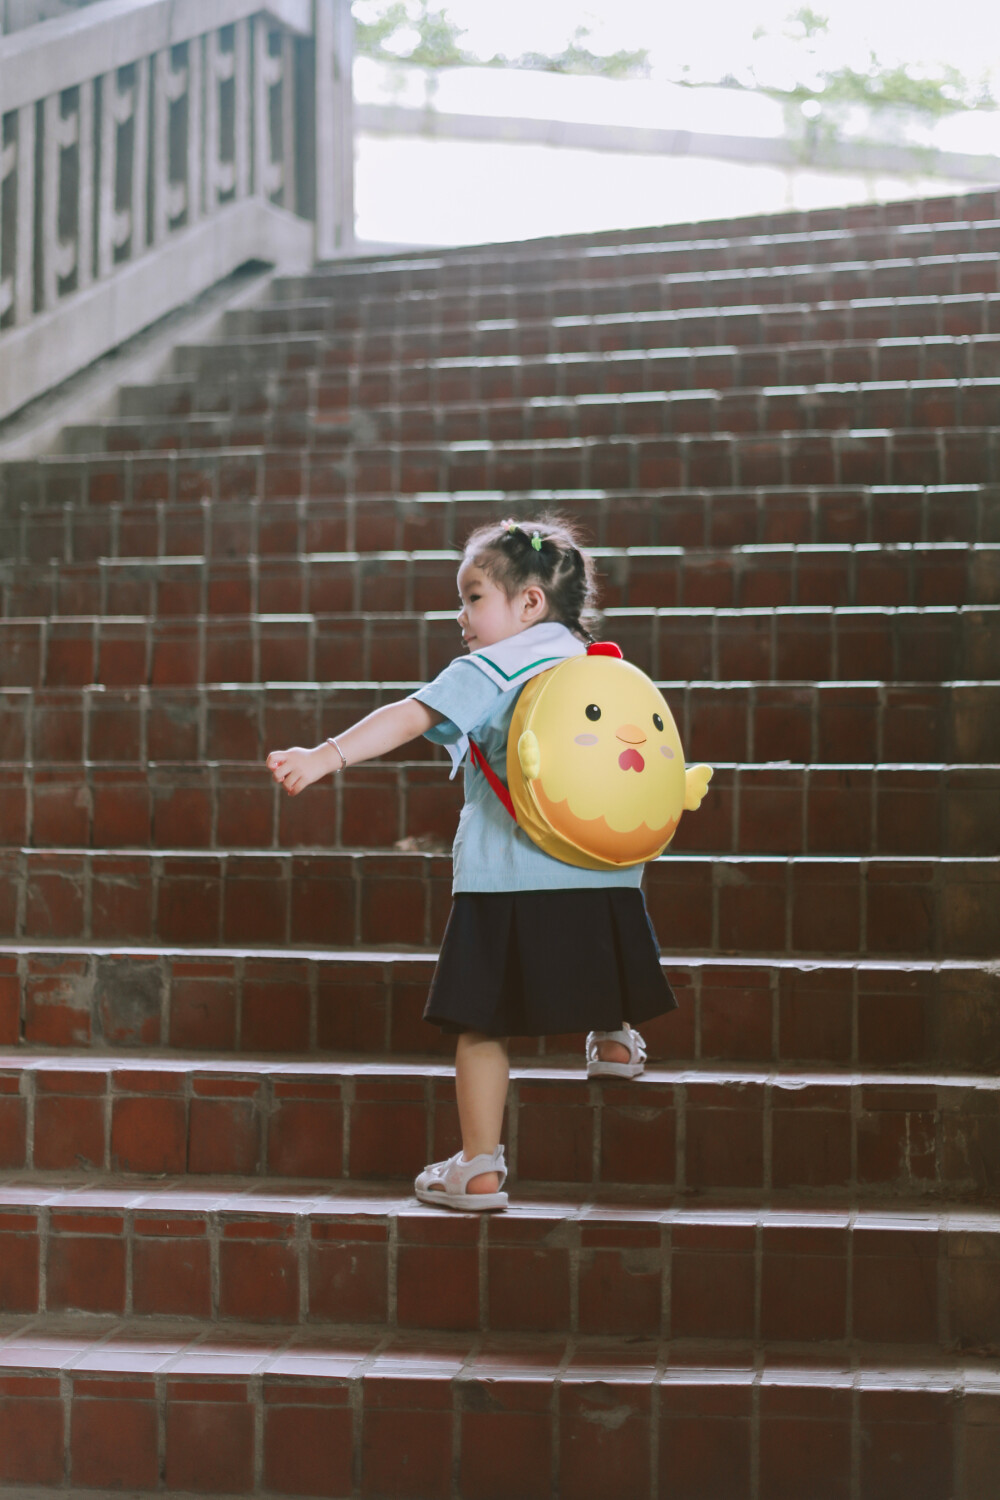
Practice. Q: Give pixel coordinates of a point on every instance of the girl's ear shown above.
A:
(533, 604)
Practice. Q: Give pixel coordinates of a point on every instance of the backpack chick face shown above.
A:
(595, 765)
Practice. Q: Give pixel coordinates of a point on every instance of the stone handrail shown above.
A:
(147, 149)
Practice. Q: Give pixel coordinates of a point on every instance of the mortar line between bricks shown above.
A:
(959, 1440)
(856, 1108)
(944, 1300)
(28, 1084)
(755, 1434)
(735, 840)
(697, 1019)
(855, 1464)
(456, 1437)
(855, 1042)
(129, 1236)
(852, 1225)
(213, 1226)
(758, 1277)
(255, 1400)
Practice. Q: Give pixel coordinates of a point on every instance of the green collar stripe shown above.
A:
(532, 665)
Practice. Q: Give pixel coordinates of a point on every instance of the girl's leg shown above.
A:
(482, 1073)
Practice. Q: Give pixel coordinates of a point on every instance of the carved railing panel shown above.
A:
(206, 105)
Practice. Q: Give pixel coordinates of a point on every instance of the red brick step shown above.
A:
(165, 506)
(706, 1130)
(786, 644)
(370, 1003)
(791, 809)
(636, 288)
(731, 245)
(836, 574)
(429, 1418)
(773, 905)
(327, 421)
(247, 389)
(300, 336)
(852, 722)
(884, 1276)
(879, 456)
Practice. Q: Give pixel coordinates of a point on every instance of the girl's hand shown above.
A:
(296, 769)
(382, 731)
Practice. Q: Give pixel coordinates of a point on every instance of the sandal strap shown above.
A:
(454, 1175)
(630, 1039)
(460, 1173)
(438, 1170)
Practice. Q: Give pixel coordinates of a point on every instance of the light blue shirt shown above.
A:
(491, 853)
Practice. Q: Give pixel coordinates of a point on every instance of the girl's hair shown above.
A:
(547, 553)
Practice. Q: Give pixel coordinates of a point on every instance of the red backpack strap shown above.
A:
(479, 760)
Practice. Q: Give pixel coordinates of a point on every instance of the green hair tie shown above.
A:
(536, 541)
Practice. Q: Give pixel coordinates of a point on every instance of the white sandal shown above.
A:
(598, 1068)
(443, 1183)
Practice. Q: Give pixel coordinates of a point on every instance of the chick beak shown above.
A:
(630, 734)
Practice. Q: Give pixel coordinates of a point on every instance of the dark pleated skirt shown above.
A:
(539, 963)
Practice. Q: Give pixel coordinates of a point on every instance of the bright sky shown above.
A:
(406, 187)
(717, 37)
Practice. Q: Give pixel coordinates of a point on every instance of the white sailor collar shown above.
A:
(509, 664)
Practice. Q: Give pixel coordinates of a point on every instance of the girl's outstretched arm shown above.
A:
(380, 732)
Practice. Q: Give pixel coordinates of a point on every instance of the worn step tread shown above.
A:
(399, 1070)
(305, 1200)
(114, 1345)
(129, 1347)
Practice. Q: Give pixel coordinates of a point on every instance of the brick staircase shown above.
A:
(768, 1271)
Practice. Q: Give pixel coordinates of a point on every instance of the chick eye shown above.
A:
(593, 712)
(658, 722)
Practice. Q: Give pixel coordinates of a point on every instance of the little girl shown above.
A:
(533, 946)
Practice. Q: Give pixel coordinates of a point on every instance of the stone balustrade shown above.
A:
(147, 149)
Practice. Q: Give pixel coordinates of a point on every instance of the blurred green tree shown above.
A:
(414, 31)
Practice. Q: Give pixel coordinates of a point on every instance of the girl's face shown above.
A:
(487, 614)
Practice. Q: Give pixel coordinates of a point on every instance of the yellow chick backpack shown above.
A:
(595, 769)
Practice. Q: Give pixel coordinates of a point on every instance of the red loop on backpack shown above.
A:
(605, 648)
(479, 760)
